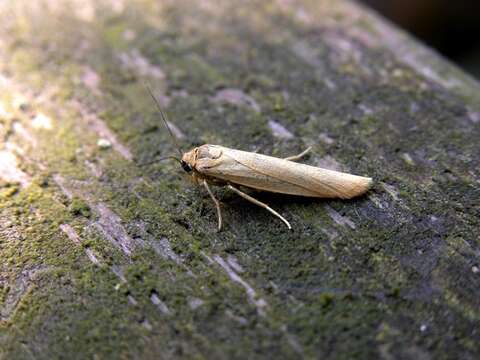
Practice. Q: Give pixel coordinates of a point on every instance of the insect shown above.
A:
(219, 165)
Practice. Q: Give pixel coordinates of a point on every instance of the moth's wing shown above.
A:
(283, 176)
(228, 169)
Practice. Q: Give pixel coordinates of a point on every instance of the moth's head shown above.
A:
(188, 160)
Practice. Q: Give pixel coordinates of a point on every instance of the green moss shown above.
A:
(8, 191)
(114, 36)
(326, 299)
(386, 333)
(329, 288)
(79, 207)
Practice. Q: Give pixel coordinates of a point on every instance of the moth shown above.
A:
(222, 166)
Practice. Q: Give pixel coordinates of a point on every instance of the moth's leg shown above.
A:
(195, 178)
(259, 203)
(299, 156)
(217, 204)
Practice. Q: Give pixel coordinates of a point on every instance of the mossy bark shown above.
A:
(102, 258)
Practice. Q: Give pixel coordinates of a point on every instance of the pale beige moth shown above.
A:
(219, 165)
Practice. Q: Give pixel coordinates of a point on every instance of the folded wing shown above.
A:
(272, 174)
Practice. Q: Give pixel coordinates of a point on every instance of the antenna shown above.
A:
(164, 118)
(160, 159)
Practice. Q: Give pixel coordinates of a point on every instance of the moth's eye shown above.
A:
(186, 167)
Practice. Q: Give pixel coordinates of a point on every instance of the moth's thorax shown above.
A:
(204, 152)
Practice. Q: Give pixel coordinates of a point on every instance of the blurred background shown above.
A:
(451, 27)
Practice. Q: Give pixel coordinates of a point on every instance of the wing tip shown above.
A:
(359, 187)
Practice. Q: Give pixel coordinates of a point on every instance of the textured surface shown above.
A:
(103, 258)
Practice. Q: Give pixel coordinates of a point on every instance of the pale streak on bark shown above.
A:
(99, 127)
(233, 262)
(91, 80)
(259, 303)
(20, 288)
(308, 54)
(279, 131)
(376, 201)
(118, 271)
(323, 137)
(110, 225)
(292, 340)
(72, 235)
(19, 129)
(134, 60)
(162, 247)
(9, 170)
(61, 183)
(339, 219)
(328, 162)
(236, 97)
(94, 169)
(474, 116)
(195, 303)
(42, 121)
(176, 131)
(391, 191)
(160, 304)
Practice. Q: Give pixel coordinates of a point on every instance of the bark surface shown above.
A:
(103, 258)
